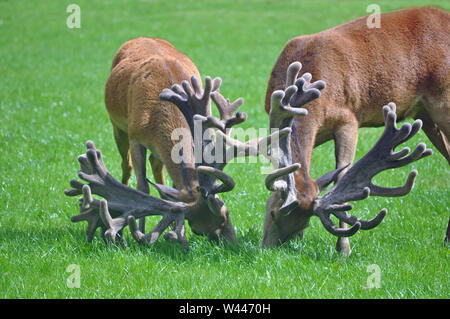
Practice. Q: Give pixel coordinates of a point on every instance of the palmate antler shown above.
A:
(192, 100)
(356, 183)
(121, 204)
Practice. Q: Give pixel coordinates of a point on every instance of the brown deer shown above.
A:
(406, 61)
(142, 70)
(285, 217)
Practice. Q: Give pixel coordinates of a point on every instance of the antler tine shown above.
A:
(356, 223)
(112, 226)
(281, 180)
(306, 91)
(122, 201)
(281, 113)
(76, 190)
(292, 72)
(337, 231)
(365, 224)
(226, 111)
(357, 184)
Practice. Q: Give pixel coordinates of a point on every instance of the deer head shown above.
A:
(285, 216)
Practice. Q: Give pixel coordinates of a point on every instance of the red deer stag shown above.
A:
(405, 61)
(145, 119)
(285, 216)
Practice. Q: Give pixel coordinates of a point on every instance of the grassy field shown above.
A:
(51, 102)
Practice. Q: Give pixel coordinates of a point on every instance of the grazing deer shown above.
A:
(144, 114)
(285, 215)
(406, 61)
(141, 69)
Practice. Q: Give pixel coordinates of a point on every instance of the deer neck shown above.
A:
(302, 143)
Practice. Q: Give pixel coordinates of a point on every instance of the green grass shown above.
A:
(51, 102)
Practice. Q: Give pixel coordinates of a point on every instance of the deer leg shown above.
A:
(138, 157)
(158, 173)
(123, 145)
(157, 169)
(438, 110)
(345, 141)
(434, 134)
(447, 236)
(439, 140)
(438, 123)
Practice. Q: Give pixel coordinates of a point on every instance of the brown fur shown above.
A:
(406, 61)
(141, 69)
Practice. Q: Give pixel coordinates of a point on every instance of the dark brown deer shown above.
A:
(405, 61)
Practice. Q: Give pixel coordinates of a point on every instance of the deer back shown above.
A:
(366, 67)
(141, 69)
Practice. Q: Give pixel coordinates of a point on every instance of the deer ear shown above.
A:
(328, 178)
(167, 192)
